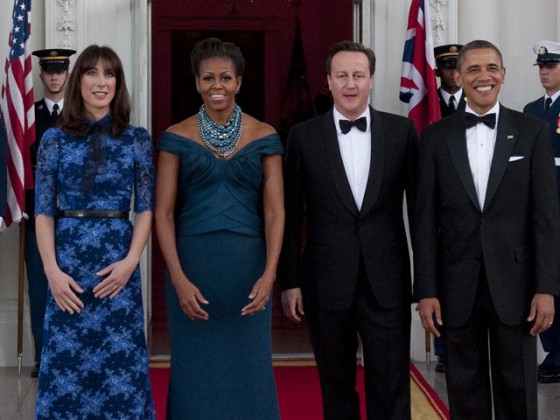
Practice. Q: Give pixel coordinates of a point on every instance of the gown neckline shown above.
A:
(201, 146)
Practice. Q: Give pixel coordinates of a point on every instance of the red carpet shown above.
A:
(300, 395)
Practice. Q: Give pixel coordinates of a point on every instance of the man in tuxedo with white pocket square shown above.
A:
(486, 240)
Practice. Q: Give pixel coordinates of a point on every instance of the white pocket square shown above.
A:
(514, 158)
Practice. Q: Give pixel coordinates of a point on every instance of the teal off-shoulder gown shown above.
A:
(221, 368)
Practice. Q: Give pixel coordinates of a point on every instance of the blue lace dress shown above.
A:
(95, 364)
(221, 368)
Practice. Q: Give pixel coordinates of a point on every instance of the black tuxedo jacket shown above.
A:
(515, 238)
(339, 235)
(444, 107)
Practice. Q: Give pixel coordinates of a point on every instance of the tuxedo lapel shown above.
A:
(336, 165)
(457, 144)
(376, 162)
(505, 141)
(462, 103)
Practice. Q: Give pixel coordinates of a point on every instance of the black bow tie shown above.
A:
(471, 120)
(346, 125)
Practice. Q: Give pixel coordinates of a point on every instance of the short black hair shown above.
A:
(477, 44)
(214, 47)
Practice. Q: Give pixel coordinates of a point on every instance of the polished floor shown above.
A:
(17, 394)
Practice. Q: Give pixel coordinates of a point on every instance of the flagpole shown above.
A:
(21, 279)
(17, 107)
(428, 342)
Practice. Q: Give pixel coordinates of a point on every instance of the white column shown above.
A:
(138, 82)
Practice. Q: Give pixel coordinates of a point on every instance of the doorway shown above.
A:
(266, 34)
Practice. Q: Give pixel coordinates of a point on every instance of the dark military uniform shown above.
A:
(446, 57)
(51, 61)
(548, 53)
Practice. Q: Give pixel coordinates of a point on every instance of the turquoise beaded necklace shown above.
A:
(221, 139)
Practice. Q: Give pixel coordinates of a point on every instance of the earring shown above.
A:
(237, 91)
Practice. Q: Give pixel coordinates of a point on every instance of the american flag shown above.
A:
(3, 172)
(18, 113)
(418, 76)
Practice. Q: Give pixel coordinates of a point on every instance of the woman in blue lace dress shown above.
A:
(94, 363)
(220, 218)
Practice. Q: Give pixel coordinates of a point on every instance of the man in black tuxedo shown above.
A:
(547, 107)
(54, 65)
(451, 96)
(349, 169)
(486, 240)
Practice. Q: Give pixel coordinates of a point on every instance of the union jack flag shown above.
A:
(18, 113)
(418, 76)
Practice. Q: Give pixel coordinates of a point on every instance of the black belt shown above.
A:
(96, 214)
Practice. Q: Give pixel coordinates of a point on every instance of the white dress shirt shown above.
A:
(481, 140)
(446, 95)
(50, 105)
(355, 149)
(553, 97)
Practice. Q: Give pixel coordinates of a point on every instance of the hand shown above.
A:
(117, 274)
(541, 313)
(292, 304)
(260, 296)
(190, 299)
(427, 307)
(62, 289)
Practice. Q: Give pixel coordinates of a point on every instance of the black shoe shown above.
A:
(547, 375)
(441, 364)
(35, 371)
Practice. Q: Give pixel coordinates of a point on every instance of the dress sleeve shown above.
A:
(144, 171)
(270, 145)
(171, 143)
(46, 185)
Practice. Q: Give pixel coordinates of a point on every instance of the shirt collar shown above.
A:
(338, 116)
(446, 95)
(494, 110)
(554, 97)
(50, 103)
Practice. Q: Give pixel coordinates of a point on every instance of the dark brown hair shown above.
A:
(214, 47)
(351, 46)
(74, 113)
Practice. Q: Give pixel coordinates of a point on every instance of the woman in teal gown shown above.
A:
(220, 218)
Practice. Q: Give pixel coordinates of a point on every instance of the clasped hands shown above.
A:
(191, 298)
(64, 288)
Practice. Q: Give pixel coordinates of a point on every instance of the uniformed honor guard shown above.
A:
(451, 99)
(450, 92)
(547, 107)
(54, 74)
